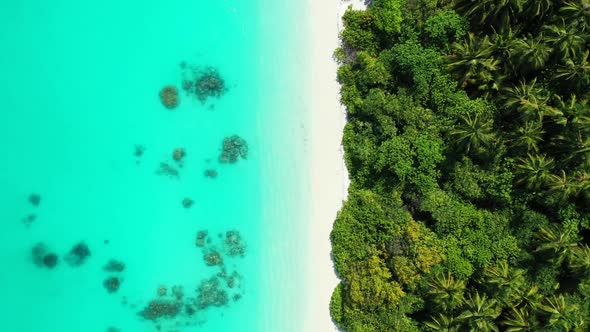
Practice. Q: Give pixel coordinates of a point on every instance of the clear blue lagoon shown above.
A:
(84, 135)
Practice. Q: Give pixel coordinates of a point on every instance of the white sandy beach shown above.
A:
(329, 176)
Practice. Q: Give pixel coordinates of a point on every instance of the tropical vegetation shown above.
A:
(468, 148)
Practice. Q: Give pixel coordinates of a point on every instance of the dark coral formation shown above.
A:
(78, 254)
(162, 290)
(139, 150)
(178, 154)
(50, 260)
(201, 238)
(38, 252)
(203, 83)
(173, 306)
(234, 147)
(209, 293)
(43, 257)
(112, 284)
(211, 173)
(213, 258)
(233, 280)
(28, 220)
(113, 329)
(35, 199)
(169, 96)
(234, 244)
(190, 310)
(178, 292)
(187, 203)
(209, 84)
(166, 169)
(114, 266)
(161, 308)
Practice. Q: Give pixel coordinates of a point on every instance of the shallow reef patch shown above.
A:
(187, 203)
(203, 82)
(167, 170)
(112, 284)
(169, 96)
(114, 265)
(43, 257)
(234, 147)
(35, 199)
(78, 254)
(211, 173)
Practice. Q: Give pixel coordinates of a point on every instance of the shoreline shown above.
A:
(329, 176)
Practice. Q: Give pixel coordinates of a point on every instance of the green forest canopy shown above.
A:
(468, 148)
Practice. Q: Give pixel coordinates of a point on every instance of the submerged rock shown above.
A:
(234, 147)
(50, 260)
(78, 254)
(161, 309)
(38, 252)
(35, 199)
(162, 290)
(169, 96)
(201, 238)
(203, 83)
(42, 257)
(166, 169)
(209, 293)
(112, 284)
(114, 266)
(178, 154)
(187, 203)
(139, 150)
(209, 84)
(28, 220)
(211, 173)
(234, 243)
(178, 292)
(190, 310)
(233, 280)
(213, 258)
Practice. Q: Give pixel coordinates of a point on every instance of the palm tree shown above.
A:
(538, 7)
(575, 71)
(562, 185)
(528, 137)
(529, 53)
(473, 133)
(580, 146)
(563, 315)
(561, 242)
(480, 313)
(519, 320)
(447, 293)
(581, 121)
(577, 14)
(567, 40)
(580, 261)
(507, 282)
(574, 111)
(531, 299)
(496, 13)
(534, 171)
(442, 323)
(529, 100)
(472, 60)
(582, 178)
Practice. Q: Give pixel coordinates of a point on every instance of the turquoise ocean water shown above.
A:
(79, 88)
